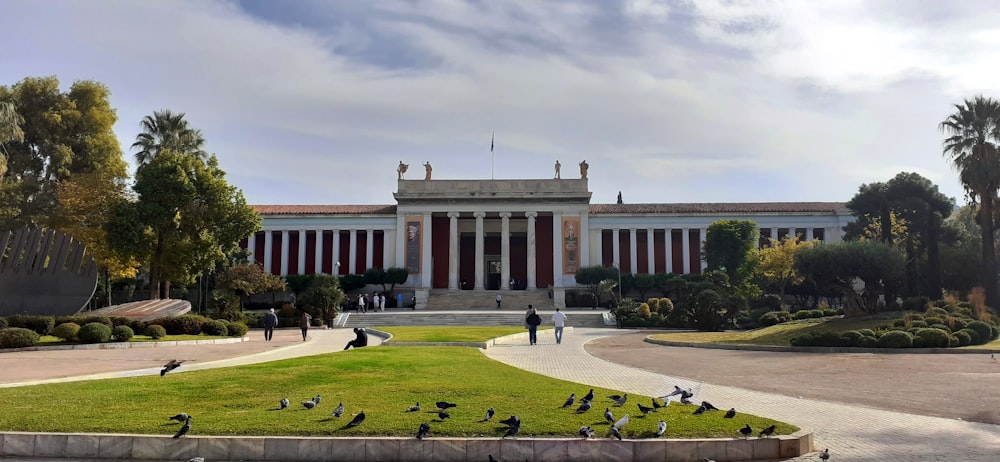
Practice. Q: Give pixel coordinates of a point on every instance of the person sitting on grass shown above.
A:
(360, 341)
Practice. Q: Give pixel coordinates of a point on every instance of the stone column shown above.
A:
(633, 251)
(369, 248)
(668, 249)
(302, 252)
(268, 246)
(319, 252)
(251, 247)
(353, 252)
(387, 238)
(809, 234)
(480, 248)
(599, 247)
(532, 280)
(505, 250)
(453, 250)
(650, 255)
(584, 258)
(702, 235)
(557, 249)
(335, 251)
(774, 235)
(284, 252)
(616, 251)
(400, 240)
(686, 249)
(426, 259)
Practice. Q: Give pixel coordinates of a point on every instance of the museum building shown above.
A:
(503, 235)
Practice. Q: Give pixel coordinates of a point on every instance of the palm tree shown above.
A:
(972, 147)
(165, 130)
(10, 130)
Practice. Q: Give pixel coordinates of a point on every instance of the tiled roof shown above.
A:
(735, 207)
(325, 209)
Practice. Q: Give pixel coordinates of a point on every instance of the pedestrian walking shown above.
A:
(361, 304)
(270, 322)
(533, 320)
(499, 298)
(304, 324)
(559, 319)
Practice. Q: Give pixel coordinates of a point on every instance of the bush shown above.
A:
(66, 330)
(3, 323)
(918, 324)
(155, 331)
(956, 323)
(940, 326)
(654, 305)
(983, 329)
(918, 303)
(895, 339)
(953, 341)
(237, 329)
(934, 338)
(830, 312)
(851, 338)
(666, 306)
(41, 325)
(137, 325)
(188, 324)
(867, 333)
(770, 301)
(802, 314)
(931, 320)
(801, 340)
(644, 310)
(82, 320)
(122, 333)
(775, 317)
(214, 327)
(94, 332)
(17, 337)
(974, 338)
(938, 312)
(868, 341)
(963, 337)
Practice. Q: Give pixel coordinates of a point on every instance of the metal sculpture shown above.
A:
(44, 272)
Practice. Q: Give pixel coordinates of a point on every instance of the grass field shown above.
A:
(382, 381)
(451, 334)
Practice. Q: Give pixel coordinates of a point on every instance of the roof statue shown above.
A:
(619, 197)
(401, 169)
(427, 170)
(558, 167)
(584, 166)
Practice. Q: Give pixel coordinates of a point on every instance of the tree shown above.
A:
(973, 132)
(777, 264)
(643, 283)
(847, 265)
(395, 276)
(593, 276)
(164, 131)
(10, 130)
(324, 293)
(248, 279)
(713, 302)
(730, 246)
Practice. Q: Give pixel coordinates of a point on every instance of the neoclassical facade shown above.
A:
(489, 235)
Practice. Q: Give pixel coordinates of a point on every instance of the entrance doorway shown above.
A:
(493, 268)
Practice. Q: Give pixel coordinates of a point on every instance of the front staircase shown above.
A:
(515, 300)
(505, 317)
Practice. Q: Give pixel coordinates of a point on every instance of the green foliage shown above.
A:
(836, 266)
(983, 329)
(594, 277)
(215, 327)
(643, 283)
(775, 317)
(17, 337)
(325, 295)
(895, 339)
(396, 276)
(916, 303)
(247, 279)
(666, 306)
(122, 333)
(3, 323)
(851, 338)
(731, 246)
(236, 329)
(654, 304)
(66, 330)
(644, 311)
(94, 332)
(188, 324)
(155, 331)
(934, 338)
(41, 325)
(964, 338)
(351, 282)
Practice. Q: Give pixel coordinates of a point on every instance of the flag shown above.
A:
(492, 137)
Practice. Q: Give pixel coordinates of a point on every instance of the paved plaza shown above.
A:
(852, 432)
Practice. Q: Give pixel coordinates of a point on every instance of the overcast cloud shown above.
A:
(311, 102)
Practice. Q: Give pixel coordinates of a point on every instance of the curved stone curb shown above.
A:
(517, 337)
(123, 345)
(796, 349)
(393, 449)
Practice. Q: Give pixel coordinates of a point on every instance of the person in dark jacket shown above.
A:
(360, 341)
(270, 322)
(533, 320)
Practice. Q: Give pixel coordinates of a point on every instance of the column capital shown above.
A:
(454, 214)
(505, 214)
(479, 214)
(557, 212)
(531, 214)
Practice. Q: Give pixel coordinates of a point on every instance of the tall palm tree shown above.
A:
(973, 147)
(165, 130)
(10, 130)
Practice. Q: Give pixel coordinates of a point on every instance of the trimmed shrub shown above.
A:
(895, 339)
(644, 310)
(935, 311)
(918, 323)
(17, 337)
(963, 337)
(952, 341)
(956, 323)
(214, 327)
(775, 317)
(918, 342)
(868, 342)
(666, 306)
(188, 324)
(94, 332)
(41, 325)
(828, 339)
(830, 312)
(137, 325)
(851, 338)
(802, 314)
(940, 326)
(867, 333)
(931, 320)
(973, 336)
(3, 323)
(801, 340)
(770, 301)
(66, 330)
(918, 303)
(934, 338)
(155, 331)
(89, 319)
(654, 305)
(122, 333)
(983, 329)
(237, 329)
(899, 322)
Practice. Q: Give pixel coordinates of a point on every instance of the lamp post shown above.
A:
(336, 268)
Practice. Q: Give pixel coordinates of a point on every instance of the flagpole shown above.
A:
(492, 155)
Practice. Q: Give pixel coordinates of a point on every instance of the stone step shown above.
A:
(443, 299)
(445, 318)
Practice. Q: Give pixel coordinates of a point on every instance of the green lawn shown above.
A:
(451, 334)
(382, 381)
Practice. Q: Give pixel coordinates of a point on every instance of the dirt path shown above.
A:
(963, 386)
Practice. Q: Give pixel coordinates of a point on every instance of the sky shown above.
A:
(316, 102)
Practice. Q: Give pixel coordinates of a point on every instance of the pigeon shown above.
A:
(173, 364)
(701, 410)
(614, 397)
(657, 405)
(511, 421)
(586, 432)
(445, 405)
(513, 430)
(645, 409)
(493, 459)
(621, 401)
(424, 429)
(283, 403)
(825, 455)
(196, 459)
(589, 396)
(686, 397)
(677, 391)
(358, 418)
(746, 431)
(730, 413)
(584, 406)
(309, 404)
(186, 428)
(661, 428)
(443, 415)
(615, 433)
(316, 399)
(339, 411)
(708, 406)
(608, 415)
(569, 401)
(767, 432)
(414, 408)
(621, 422)
(489, 415)
(180, 417)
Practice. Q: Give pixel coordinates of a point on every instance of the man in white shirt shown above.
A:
(361, 304)
(559, 319)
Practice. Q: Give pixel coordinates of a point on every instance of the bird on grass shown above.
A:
(767, 432)
(489, 415)
(339, 411)
(621, 400)
(511, 421)
(513, 430)
(708, 406)
(590, 395)
(746, 431)
(615, 433)
(730, 413)
(317, 399)
(180, 417)
(586, 432)
(621, 422)
(825, 455)
(414, 408)
(283, 403)
(657, 405)
(443, 415)
(358, 418)
(309, 404)
(424, 429)
(686, 397)
(661, 428)
(608, 415)
(677, 391)
(584, 406)
(445, 405)
(701, 410)
(186, 428)
(173, 364)
(569, 401)
(645, 409)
